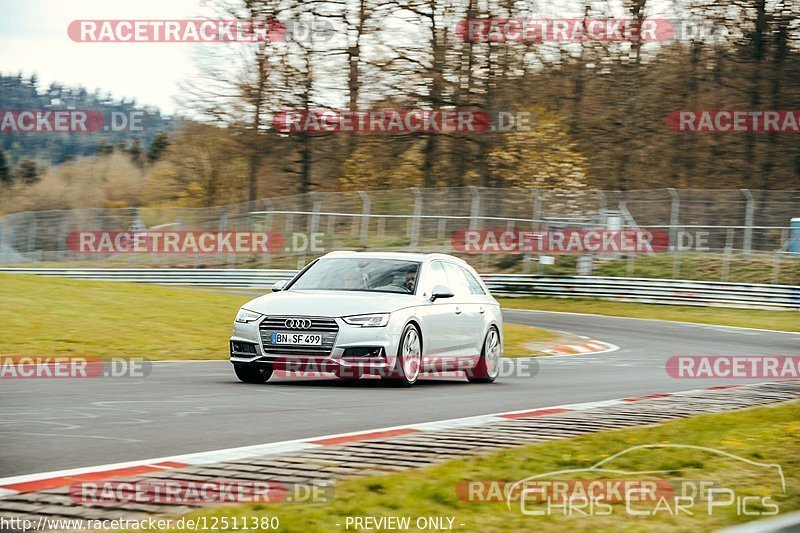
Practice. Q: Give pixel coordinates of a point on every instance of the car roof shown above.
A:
(407, 256)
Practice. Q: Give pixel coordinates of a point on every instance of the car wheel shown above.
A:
(253, 373)
(488, 366)
(409, 358)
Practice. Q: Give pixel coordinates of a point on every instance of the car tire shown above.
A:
(488, 366)
(408, 363)
(253, 373)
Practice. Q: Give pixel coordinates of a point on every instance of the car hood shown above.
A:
(329, 303)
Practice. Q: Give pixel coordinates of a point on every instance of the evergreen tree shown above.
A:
(158, 146)
(28, 171)
(5, 172)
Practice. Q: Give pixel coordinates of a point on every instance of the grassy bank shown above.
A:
(49, 316)
(518, 340)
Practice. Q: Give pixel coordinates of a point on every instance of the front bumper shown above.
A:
(354, 349)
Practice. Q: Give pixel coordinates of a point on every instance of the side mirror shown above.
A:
(440, 291)
(279, 285)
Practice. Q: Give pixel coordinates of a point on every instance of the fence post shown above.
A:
(748, 222)
(776, 257)
(31, 235)
(62, 235)
(673, 217)
(726, 257)
(313, 224)
(602, 210)
(365, 205)
(674, 212)
(526, 261)
(415, 222)
(288, 226)
(537, 210)
(475, 207)
(268, 217)
(267, 226)
(222, 225)
(776, 267)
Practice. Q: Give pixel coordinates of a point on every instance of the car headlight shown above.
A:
(368, 321)
(244, 316)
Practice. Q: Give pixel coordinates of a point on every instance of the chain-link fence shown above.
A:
(737, 235)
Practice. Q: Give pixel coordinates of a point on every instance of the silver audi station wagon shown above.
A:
(393, 315)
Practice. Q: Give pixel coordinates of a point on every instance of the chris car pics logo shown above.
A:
(608, 487)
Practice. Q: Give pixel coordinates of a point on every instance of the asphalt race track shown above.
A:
(183, 407)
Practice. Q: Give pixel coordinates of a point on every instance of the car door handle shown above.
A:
(458, 310)
(481, 309)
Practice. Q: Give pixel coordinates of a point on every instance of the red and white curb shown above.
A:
(61, 478)
(590, 346)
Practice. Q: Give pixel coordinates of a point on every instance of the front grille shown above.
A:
(327, 327)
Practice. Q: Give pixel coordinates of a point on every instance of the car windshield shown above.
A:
(358, 274)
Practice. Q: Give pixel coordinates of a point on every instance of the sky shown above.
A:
(33, 39)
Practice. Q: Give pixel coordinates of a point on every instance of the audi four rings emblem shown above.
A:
(297, 323)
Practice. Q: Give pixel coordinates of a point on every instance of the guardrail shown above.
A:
(207, 277)
(646, 290)
(649, 290)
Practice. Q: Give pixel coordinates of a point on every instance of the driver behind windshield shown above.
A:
(400, 281)
(411, 279)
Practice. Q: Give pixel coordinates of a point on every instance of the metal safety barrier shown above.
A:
(649, 290)
(207, 277)
(645, 290)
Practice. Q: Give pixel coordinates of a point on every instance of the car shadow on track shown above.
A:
(363, 383)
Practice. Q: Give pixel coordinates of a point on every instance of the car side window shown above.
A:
(457, 280)
(474, 286)
(436, 276)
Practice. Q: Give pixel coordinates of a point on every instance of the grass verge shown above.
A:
(50, 316)
(746, 318)
(764, 435)
(518, 340)
(42, 316)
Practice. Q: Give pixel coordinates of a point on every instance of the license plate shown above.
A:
(302, 339)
